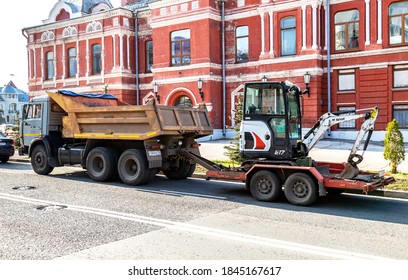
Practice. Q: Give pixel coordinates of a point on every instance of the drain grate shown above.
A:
(51, 207)
(24, 188)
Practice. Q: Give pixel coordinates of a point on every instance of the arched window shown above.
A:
(347, 30)
(184, 102)
(398, 15)
(288, 36)
(93, 27)
(96, 59)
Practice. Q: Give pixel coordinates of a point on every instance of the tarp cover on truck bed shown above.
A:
(88, 95)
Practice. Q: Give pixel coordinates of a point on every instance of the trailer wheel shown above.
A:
(265, 186)
(4, 159)
(101, 164)
(300, 189)
(39, 161)
(133, 168)
(178, 172)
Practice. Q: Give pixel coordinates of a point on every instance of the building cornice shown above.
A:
(81, 20)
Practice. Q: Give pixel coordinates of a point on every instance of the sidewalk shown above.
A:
(325, 150)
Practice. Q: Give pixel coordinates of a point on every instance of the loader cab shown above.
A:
(271, 124)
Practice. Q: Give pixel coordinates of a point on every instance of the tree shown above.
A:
(394, 149)
(233, 148)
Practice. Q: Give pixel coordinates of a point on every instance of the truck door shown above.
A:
(31, 126)
(264, 128)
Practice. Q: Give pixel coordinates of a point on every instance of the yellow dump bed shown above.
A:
(108, 118)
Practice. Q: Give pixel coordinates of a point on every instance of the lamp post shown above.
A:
(306, 79)
(156, 90)
(264, 79)
(200, 87)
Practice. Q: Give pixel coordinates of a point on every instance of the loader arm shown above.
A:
(329, 119)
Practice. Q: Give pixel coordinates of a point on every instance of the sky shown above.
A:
(14, 16)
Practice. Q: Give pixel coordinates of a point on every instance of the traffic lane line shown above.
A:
(206, 231)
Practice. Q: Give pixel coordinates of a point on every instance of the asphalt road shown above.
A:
(67, 216)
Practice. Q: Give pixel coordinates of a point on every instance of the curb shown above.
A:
(381, 193)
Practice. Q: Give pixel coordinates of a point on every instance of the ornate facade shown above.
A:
(360, 61)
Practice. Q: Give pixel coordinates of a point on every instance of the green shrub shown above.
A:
(233, 148)
(394, 150)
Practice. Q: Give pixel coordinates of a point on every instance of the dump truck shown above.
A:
(108, 137)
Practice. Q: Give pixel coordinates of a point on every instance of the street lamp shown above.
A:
(264, 79)
(156, 90)
(200, 87)
(306, 79)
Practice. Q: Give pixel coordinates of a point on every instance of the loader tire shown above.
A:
(39, 161)
(133, 167)
(265, 186)
(101, 164)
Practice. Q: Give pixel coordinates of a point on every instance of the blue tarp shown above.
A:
(88, 95)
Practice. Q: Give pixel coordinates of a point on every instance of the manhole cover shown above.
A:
(24, 188)
(51, 207)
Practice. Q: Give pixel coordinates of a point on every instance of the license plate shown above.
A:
(2, 144)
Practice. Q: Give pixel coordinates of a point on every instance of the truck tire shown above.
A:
(178, 172)
(101, 164)
(301, 189)
(4, 159)
(265, 186)
(133, 167)
(191, 170)
(39, 161)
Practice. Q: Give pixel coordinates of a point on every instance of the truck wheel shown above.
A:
(178, 173)
(265, 186)
(4, 159)
(133, 167)
(39, 161)
(101, 164)
(191, 170)
(300, 189)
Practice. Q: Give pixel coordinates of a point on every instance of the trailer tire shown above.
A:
(4, 159)
(133, 168)
(101, 164)
(178, 172)
(191, 170)
(301, 189)
(39, 161)
(265, 186)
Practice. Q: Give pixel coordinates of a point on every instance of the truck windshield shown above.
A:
(264, 98)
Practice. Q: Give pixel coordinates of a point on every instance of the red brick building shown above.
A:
(360, 61)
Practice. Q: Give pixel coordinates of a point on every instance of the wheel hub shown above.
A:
(264, 186)
(300, 189)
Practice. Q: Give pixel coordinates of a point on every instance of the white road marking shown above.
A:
(194, 194)
(229, 235)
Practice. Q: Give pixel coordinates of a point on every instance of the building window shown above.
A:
(96, 59)
(400, 76)
(50, 66)
(180, 47)
(149, 56)
(184, 102)
(347, 80)
(288, 36)
(72, 62)
(398, 14)
(348, 124)
(242, 43)
(347, 30)
(400, 113)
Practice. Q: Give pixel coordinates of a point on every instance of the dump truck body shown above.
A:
(107, 136)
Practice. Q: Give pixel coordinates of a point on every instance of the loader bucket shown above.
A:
(349, 172)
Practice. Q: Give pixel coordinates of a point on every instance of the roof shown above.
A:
(85, 6)
(10, 88)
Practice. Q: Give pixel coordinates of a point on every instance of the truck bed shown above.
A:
(108, 118)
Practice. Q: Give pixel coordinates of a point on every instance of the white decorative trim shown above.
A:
(190, 94)
(47, 36)
(69, 31)
(94, 26)
(367, 24)
(379, 22)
